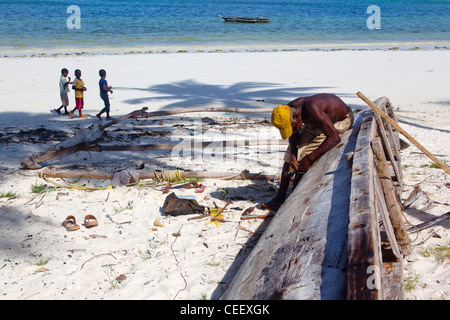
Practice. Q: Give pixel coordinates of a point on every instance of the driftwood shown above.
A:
(201, 109)
(86, 140)
(152, 175)
(339, 234)
(94, 146)
(84, 137)
(429, 223)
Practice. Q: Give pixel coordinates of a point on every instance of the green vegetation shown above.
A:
(434, 165)
(8, 194)
(411, 281)
(38, 188)
(439, 252)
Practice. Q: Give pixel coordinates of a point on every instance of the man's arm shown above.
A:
(324, 122)
(332, 136)
(293, 144)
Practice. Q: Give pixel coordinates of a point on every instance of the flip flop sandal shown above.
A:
(200, 188)
(191, 185)
(70, 224)
(90, 221)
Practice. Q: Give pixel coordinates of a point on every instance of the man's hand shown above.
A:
(304, 165)
(294, 164)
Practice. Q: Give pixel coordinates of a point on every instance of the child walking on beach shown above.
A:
(64, 91)
(104, 89)
(78, 86)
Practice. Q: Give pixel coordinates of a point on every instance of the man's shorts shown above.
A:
(65, 99)
(312, 138)
(79, 103)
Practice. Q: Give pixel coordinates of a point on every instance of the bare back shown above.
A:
(320, 111)
(316, 106)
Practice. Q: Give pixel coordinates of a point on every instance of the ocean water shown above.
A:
(165, 25)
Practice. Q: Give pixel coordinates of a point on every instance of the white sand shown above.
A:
(200, 262)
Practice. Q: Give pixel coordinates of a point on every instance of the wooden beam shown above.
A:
(403, 132)
(363, 249)
(390, 251)
(51, 173)
(390, 196)
(389, 149)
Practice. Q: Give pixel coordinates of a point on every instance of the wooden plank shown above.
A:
(363, 250)
(392, 251)
(403, 132)
(390, 197)
(51, 173)
(385, 105)
(302, 253)
(388, 143)
(388, 148)
(393, 280)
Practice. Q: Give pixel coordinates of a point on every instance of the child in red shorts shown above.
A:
(79, 88)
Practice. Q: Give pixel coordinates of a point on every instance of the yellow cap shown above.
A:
(281, 119)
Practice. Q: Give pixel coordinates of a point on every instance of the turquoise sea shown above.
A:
(33, 26)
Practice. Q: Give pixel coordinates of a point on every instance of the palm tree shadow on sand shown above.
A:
(191, 93)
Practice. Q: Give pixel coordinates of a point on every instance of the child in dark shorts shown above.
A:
(104, 89)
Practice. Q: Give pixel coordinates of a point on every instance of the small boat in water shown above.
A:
(245, 19)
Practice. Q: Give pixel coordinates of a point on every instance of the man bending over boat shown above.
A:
(325, 117)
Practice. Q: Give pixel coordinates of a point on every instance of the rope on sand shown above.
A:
(168, 175)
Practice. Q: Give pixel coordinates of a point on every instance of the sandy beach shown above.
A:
(126, 256)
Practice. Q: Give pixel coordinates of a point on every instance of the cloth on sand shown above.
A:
(124, 177)
(175, 206)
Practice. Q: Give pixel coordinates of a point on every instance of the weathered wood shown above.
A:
(94, 146)
(82, 138)
(393, 281)
(48, 172)
(132, 114)
(390, 249)
(86, 139)
(163, 113)
(294, 258)
(429, 223)
(302, 253)
(403, 132)
(393, 134)
(363, 250)
(389, 149)
(392, 202)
